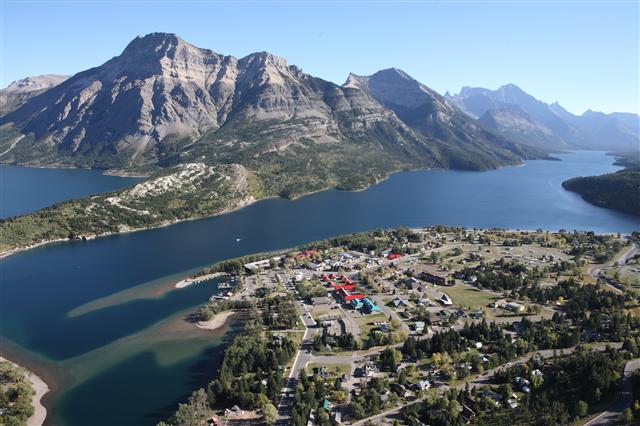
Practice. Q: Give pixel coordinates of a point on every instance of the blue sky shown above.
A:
(582, 54)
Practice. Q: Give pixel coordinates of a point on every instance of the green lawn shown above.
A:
(366, 323)
(338, 369)
(465, 295)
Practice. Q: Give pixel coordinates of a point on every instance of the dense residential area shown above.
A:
(433, 326)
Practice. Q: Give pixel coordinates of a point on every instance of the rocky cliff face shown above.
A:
(161, 89)
(164, 102)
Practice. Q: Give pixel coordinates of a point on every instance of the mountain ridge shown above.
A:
(547, 126)
(163, 101)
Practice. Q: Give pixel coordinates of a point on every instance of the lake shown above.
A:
(131, 356)
(27, 189)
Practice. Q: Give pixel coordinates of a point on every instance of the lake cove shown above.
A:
(96, 313)
(27, 189)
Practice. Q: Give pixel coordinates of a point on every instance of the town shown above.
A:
(431, 326)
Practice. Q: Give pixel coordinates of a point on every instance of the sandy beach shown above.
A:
(40, 388)
(216, 322)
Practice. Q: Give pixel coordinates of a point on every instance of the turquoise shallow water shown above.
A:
(114, 367)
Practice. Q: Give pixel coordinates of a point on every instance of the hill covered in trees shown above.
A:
(619, 191)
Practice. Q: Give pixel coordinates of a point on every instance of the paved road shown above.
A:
(302, 359)
(596, 270)
(610, 416)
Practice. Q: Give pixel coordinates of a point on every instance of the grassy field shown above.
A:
(338, 369)
(467, 296)
(366, 323)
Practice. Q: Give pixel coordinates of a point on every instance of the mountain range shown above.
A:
(215, 133)
(164, 101)
(520, 117)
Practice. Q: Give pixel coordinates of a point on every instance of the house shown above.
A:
(400, 390)
(418, 326)
(355, 303)
(476, 314)
(397, 302)
(393, 256)
(491, 395)
(435, 319)
(536, 373)
(467, 414)
(422, 385)
(478, 345)
(514, 307)
(424, 301)
(326, 404)
(500, 303)
(433, 279)
(445, 299)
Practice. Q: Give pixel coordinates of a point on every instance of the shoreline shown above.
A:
(241, 205)
(216, 322)
(195, 280)
(248, 201)
(40, 388)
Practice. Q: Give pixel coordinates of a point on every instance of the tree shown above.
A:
(627, 416)
(357, 410)
(269, 412)
(582, 409)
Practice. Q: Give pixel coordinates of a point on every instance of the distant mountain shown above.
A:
(463, 141)
(521, 117)
(18, 92)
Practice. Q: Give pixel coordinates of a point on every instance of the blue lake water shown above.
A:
(26, 189)
(120, 365)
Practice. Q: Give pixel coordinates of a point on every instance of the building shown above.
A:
(514, 307)
(349, 287)
(356, 303)
(397, 302)
(433, 279)
(369, 306)
(419, 326)
(445, 299)
(347, 297)
(422, 385)
(258, 265)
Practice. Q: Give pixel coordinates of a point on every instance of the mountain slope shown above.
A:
(20, 91)
(164, 104)
(162, 94)
(164, 101)
(461, 140)
(548, 125)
